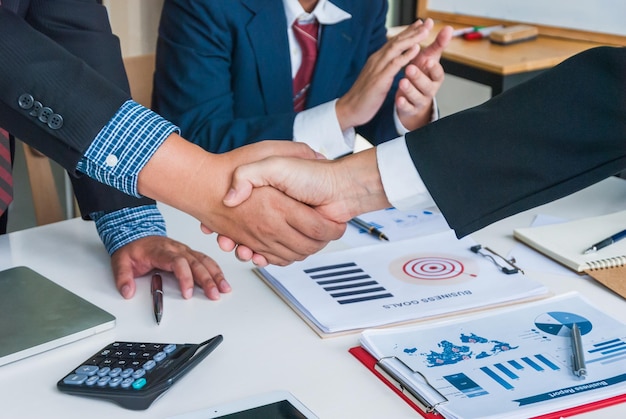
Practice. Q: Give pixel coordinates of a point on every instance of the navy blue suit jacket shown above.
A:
(223, 70)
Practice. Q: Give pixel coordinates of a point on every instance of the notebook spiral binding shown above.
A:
(607, 263)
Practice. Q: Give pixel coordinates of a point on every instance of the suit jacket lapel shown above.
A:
(267, 32)
(333, 59)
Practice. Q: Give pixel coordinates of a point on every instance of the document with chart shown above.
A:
(402, 281)
(511, 362)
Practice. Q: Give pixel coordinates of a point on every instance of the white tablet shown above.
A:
(278, 404)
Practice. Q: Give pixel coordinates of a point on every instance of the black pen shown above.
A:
(157, 296)
(369, 228)
(606, 242)
(578, 354)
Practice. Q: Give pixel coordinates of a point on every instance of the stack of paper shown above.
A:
(398, 282)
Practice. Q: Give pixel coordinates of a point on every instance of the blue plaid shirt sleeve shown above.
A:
(123, 147)
(119, 228)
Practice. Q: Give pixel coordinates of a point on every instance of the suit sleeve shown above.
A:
(53, 55)
(560, 132)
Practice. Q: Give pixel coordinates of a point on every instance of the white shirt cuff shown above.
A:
(403, 185)
(319, 128)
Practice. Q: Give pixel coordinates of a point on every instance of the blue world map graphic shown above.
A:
(471, 346)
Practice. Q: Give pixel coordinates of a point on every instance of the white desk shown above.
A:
(266, 345)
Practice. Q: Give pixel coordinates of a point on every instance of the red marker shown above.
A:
(480, 33)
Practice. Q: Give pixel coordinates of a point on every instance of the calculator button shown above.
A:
(75, 379)
(127, 382)
(169, 348)
(115, 381)
(103, 381)
(115, 372)
(139, 373)
(92, 380)
(137, 385)
(104, 371)
(87, 370)
(149, 365)
(127, 373)
(160, 356)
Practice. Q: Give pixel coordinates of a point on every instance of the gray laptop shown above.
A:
(39, 315)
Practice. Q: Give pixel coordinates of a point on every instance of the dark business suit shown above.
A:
(62, 54)
(554, 135)
(223, 71)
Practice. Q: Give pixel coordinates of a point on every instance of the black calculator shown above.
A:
(135, 374)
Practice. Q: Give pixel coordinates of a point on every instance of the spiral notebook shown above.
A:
(566, 242)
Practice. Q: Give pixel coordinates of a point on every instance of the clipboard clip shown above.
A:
(418, 399)
(508, 266)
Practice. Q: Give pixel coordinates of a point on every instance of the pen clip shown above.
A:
(486, 252)
(406, 388)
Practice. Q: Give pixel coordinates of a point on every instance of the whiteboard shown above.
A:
(604, 16)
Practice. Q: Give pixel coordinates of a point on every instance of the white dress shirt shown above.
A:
(403, 185)
(319, 127)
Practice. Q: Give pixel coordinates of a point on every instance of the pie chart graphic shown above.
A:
(559, 323)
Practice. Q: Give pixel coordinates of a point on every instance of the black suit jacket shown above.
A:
(554, 135)
(62, 54)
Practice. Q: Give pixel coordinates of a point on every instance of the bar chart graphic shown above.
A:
(347, 283)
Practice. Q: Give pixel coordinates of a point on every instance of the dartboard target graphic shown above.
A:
(431, 269)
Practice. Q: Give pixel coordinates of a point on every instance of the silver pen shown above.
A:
(156, 289)
(356, 221)
(578, 353)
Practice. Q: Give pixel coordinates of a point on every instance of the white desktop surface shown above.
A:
(266, 345)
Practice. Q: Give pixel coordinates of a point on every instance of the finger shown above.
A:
(418, 88)
(417, 27)
(435, 49)
(182, 271)
(247, 177)
(226, 243)
(259, 260)
(205, 229)
(124, 278)
(244, 253)
(208, 275)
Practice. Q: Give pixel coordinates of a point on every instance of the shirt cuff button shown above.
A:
(111, 160)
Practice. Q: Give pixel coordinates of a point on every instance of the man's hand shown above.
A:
(270, 223)
(423, 77)
(162, 253)
(370, 89)
(338, 189)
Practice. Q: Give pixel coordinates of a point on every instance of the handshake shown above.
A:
(272, 202)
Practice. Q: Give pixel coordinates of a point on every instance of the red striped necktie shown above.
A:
(306, 34)
(6, 178)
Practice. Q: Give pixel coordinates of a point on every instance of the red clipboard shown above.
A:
(370, 363)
